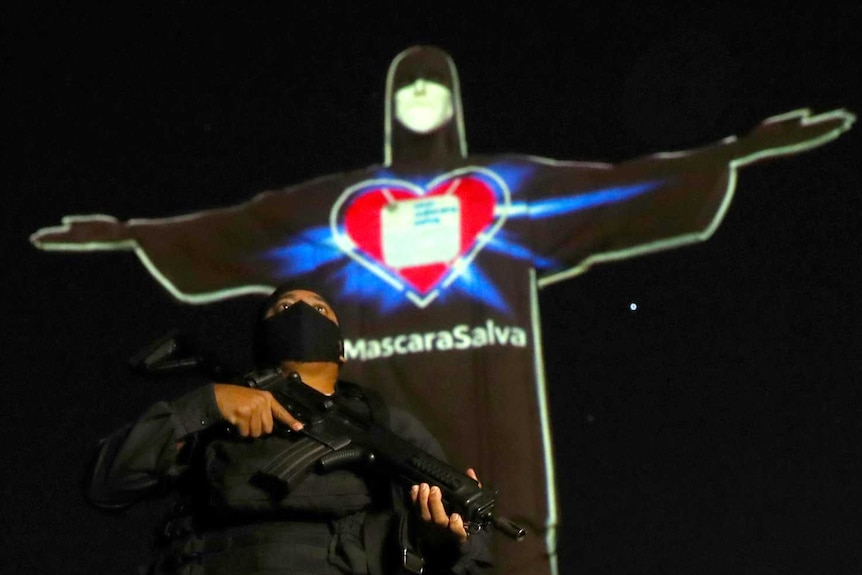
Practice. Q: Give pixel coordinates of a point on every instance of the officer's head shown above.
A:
(296, 323)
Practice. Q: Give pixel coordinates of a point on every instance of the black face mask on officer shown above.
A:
(299, 333)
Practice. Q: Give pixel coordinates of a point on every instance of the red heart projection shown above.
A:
(362, 222)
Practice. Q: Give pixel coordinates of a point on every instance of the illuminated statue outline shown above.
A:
(451, 323)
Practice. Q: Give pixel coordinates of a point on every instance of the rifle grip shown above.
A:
(436, 473)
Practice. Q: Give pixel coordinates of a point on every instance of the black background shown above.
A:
(713, 430)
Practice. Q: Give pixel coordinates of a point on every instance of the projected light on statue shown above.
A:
(436, 257)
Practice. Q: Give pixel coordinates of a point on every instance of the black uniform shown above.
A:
(229, 520)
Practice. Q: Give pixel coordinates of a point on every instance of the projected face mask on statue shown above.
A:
(300, 333)
(423, 106)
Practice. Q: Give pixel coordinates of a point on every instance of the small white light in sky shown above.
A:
(633, 306)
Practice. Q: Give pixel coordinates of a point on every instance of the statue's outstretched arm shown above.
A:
(85, 233)
(786, 134)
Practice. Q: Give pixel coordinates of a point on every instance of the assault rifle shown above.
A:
(335, 435)
(342, 435)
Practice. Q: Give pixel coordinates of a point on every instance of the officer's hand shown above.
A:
(252, 411)
(429, 504)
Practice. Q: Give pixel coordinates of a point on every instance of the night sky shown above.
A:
(713, 429)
